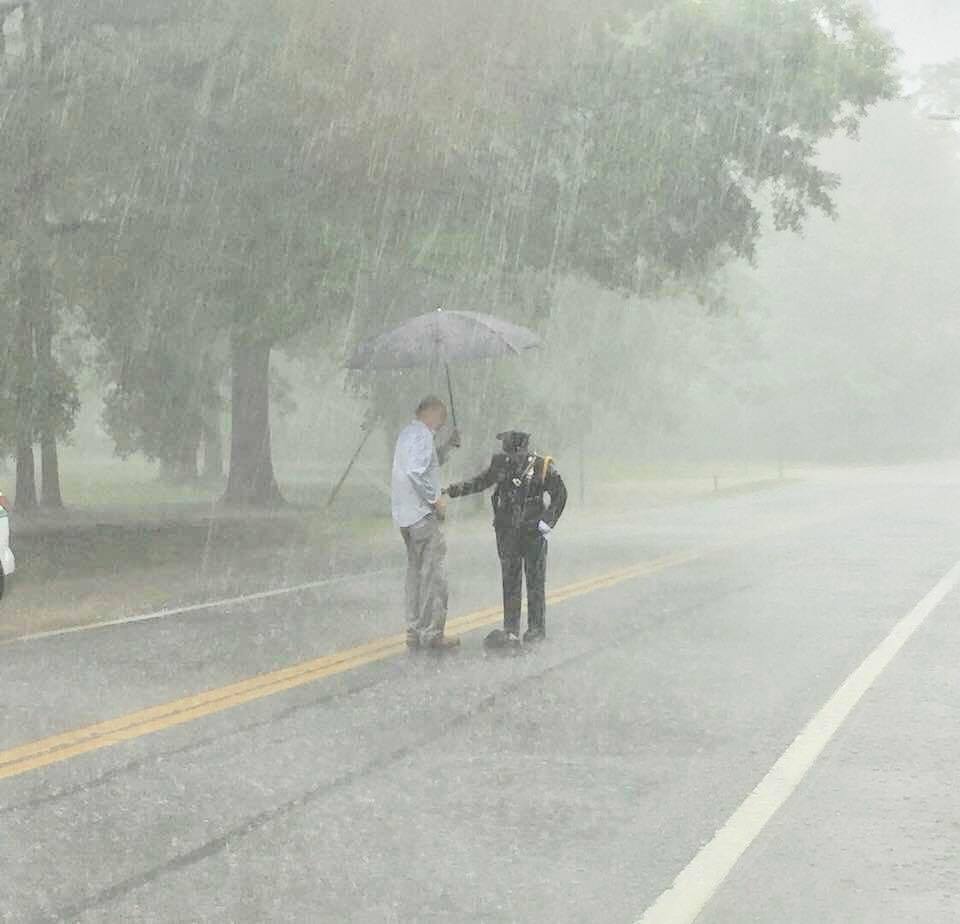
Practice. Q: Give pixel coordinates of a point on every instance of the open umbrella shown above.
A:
(443, 337)
(440, 337)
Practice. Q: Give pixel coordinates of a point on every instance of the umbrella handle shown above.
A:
(453, 409)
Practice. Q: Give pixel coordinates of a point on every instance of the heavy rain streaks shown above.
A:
(484, 462)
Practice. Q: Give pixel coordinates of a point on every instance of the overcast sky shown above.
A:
(928, 31)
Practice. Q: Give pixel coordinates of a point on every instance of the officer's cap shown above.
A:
(514, 440)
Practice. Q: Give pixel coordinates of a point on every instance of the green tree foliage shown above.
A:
(678, 127)
(637, 145)
(268, 169)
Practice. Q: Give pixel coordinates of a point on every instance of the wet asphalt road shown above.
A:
(570, 784)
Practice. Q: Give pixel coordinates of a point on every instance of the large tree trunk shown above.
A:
(25, 357)
(51, 495)
(251, 479)
(26, 498)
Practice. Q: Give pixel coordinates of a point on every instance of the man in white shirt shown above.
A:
(418, 510)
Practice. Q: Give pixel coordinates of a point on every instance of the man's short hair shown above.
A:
(430, 403)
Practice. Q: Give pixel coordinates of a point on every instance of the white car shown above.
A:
(7, 563)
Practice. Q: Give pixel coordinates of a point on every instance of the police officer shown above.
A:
(528, 500)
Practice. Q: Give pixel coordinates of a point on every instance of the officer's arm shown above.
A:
(474, 485)
(553, 483)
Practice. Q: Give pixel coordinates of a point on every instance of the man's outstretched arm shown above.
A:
(475, 485)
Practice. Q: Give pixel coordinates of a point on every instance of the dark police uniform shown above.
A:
(522, 478)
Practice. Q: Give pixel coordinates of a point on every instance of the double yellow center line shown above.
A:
(57, 748)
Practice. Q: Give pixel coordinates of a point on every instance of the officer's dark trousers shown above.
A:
(523, 550)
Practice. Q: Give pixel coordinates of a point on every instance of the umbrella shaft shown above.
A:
(453, 409)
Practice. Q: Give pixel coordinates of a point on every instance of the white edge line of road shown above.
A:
(683, 902)
(196, 607)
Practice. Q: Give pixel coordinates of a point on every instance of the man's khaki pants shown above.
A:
(426, 590)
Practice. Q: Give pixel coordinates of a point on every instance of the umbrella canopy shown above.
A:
(442, 336)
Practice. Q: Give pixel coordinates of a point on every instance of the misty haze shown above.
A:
(479, 462)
